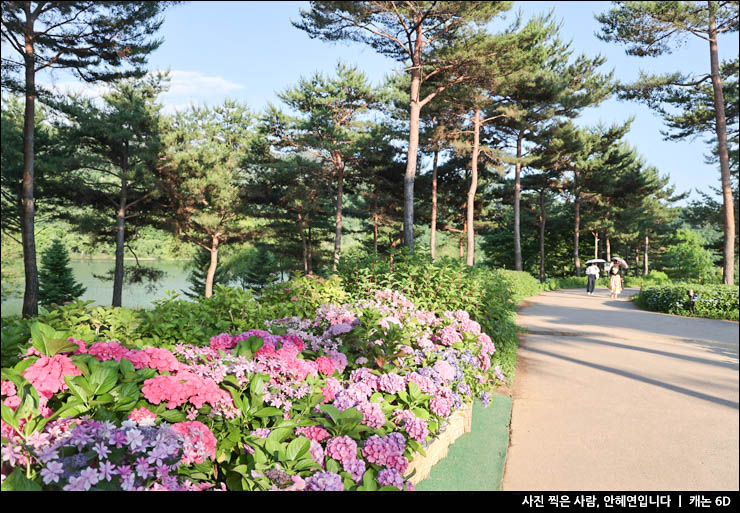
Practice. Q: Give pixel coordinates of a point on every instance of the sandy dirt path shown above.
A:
(611, 397)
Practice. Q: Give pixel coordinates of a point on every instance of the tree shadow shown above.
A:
(631, 375)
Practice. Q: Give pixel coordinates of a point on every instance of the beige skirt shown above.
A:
(615, 284)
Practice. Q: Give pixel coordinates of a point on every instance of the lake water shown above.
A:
(101, 291)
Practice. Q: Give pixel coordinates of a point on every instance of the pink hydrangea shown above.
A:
(441, 406)
(372, 414)
(81, 345)
(7, 388)
(445, 370)
(486, 344)
(199, 441)
(449, 336)
(341, 448)
(47, 374)
(186, 387)
(332, 388)
(142, 416)
(416, 428)
(325, 365)
(364, 375)
(391, 383)
(316, 433)
(425, 384)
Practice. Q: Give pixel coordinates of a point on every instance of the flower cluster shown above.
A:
(186, 387)
(97, 455)
(47, 374)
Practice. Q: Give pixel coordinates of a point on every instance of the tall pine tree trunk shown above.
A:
(608, 249)
(212, 266)
(645, 269)
(375, 224)
(302, 229)
(462, 239)
(543, 220)
(577, 224)
(473, 186)
(577, 236)
(433, 233)
(517, 201)
(724, 163)
(414, 113)
(120, 238)
(310, 246)
(31, 293)
(338, 233)
(596, 244)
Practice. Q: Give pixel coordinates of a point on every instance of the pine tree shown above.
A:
(93, 40)
(56, 281)
(651, 29)
(429, 37)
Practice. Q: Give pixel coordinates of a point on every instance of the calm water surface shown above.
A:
(101, 291)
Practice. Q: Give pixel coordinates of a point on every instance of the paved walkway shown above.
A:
(610, 397)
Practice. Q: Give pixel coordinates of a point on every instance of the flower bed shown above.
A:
(354, 398)
(712, 301)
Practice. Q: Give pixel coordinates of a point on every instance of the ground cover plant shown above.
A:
(340, 400)
(712, 301)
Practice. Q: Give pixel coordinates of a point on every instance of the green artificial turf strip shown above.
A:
(475, 461)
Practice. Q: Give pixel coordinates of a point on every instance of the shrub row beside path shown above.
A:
(610, 397)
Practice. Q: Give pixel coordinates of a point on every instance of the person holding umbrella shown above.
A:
(592, 273)
(615, 281)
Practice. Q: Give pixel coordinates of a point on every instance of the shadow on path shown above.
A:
(637, 377)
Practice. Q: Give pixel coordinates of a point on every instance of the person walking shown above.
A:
(615, 280)
(592, 273)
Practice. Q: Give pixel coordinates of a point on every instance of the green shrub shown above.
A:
(713, 301)
(522, 284)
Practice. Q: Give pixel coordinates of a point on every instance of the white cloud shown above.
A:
(186, 88)
(196, 84)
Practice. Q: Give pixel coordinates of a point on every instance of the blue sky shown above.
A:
(249, 51)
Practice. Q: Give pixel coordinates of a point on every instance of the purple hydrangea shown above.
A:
(356, 469)
(390, 477)
(325, 482)
(485, 398)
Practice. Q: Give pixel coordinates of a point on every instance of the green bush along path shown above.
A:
(610, 397)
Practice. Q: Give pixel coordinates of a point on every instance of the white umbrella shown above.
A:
(596, 261)
(621, 262)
